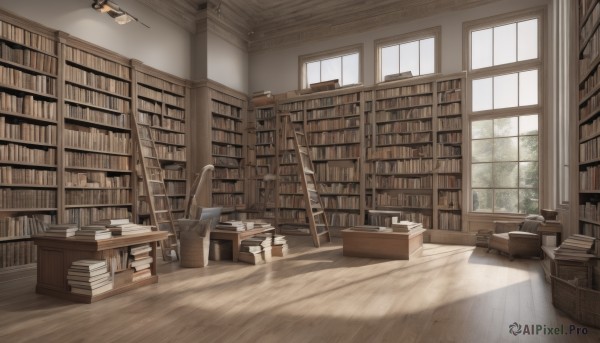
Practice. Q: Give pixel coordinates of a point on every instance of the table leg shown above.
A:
(236, 243)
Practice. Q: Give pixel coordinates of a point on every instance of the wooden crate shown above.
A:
(570, 270)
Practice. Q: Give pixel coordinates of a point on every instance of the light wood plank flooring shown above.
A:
(445, 294)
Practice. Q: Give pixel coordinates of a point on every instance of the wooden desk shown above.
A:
(236, 237)
(390, 245)
(56, 254)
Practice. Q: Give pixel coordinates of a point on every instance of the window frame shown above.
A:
(539, 63)
(435, 32)
(323, 55)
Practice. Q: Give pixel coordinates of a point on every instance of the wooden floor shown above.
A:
(446, 294)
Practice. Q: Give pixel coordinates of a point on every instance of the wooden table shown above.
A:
(390, 245)
(236, 237)
(56, 254)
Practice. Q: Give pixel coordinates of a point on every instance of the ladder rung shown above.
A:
(318, 213)
(161, 211)
(164, 221)
(322, 233)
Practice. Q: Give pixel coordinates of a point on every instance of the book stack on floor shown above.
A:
(89, 277)
(231, 225)
(140, 261)
(575, 248)
(122, 227)
(93, 233)
(404, 225)
(266, 245)
(256, 250)
(280, 247)
(61, 230)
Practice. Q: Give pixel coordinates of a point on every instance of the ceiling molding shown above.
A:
(180, 12)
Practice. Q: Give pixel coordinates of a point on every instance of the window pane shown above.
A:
(331, 69)
(506, 175)
(506, 200)
(528, 125)
(481, 49)
(481, 175)
(505, 44)
(483, 200)
(528, 39)
(528, 148)
(390, 60)
(409, 57)
(481, 150)
(505, 149)
(313, 72)
(482, 129)
(482, 94)
(506, 91)
(427, 56)
(350, 72)
(528, 88)
(506, 127)
(529, 201)
(528, 174)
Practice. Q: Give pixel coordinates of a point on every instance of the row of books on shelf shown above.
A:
(168, 137)
(344, 202)
(335, 152)
(449, 85)
(146, 105)
(450, 95)
(420, 166)
(226, 124)
(392, 103)
(27, 176)
(175, 187)
(97, 196)
(407, 138)
(448, 151)
(149, 93)
(228, 173)
(28, 105)
(220, 161)
(449, 181)
(333, 124)
(228, 150)
(17, 253)
(221, 187)
(399, 152)
(589, 179)
(160, 83)
(404, 91)
(97, 81)
(404, 126)
(590, 53)
(170, 99)
(423, 201)
(27, 38)
(21, 153)
(589, 83)
(11, 128)
(336, 188)
(225, 109)
(451, 109)
(98, 139)
(394, 182)
(262, 125)
(78, 94)
(404, 114)
(75, 159)
(167, 152)
(453, 123)
(337, 137)
(343, 219)
(336, 171)
(337, 111)
(174, 171)
(85, 216)
(85, 113)
(265, 137)
(333, 100)
(227, 137)
(96, 180)
(176, 113)
(590, 106)
(98, 63)
(26, 225)
(27, 198)
(449, 221)
(228, 200)
(592, 230)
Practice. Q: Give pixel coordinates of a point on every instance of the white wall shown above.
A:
(164, 46)
(277, 69)
(227, 63)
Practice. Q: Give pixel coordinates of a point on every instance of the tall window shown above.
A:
(506, 108)
(341, 64)
(417, 52)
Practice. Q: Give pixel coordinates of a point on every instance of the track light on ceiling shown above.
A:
(120, 16)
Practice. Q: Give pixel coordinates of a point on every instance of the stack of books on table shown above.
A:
(89, 277)
(122, 227)
(61, 230)
(575, 248)
(280, 247)
(370, 228)
(140, 261)
(404, 225)
(231, 225)
(262, 224)
(256, 250)
(93, 233)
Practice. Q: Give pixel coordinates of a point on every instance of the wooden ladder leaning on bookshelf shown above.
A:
(312, 198)
(156, 192)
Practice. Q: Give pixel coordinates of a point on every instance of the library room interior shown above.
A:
(307, 171)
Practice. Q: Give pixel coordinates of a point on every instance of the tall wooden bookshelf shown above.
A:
(334, 131)
(29, 125)
(161, 103)
(588, 117)
(97, 150)
(228, 117)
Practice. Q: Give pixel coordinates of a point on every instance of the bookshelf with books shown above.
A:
(402, 158)
(334, 131)
(96, 134)
(448, 153)
(588, 117)
(29, 192)
(228, 119)
(161, 104)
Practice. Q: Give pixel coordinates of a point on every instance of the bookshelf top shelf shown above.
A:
(12, 41)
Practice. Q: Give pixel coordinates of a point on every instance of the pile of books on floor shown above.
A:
(89, 277)
(280, 247)
(93, 233)
(122, 227)
(257, 249)
(404, 225)
(140, 261)
(575, 248)
(231, 225)
(61, 230)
